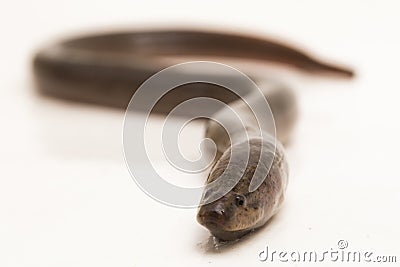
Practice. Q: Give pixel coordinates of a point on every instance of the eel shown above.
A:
(107, 69)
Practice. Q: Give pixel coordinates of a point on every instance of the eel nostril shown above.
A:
(216, 215)
(213, 214)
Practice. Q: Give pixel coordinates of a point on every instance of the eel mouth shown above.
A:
(224, 235)
(215, 224)
(212, 223)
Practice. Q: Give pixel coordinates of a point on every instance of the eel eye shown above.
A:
(239, 200)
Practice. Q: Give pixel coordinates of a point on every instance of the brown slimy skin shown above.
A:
(240, 211)
(107, 69)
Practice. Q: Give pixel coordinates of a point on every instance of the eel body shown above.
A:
(107, 69)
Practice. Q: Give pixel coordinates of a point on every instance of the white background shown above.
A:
(66, 197)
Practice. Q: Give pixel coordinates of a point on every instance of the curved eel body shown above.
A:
(107, 68)
(241, 211)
